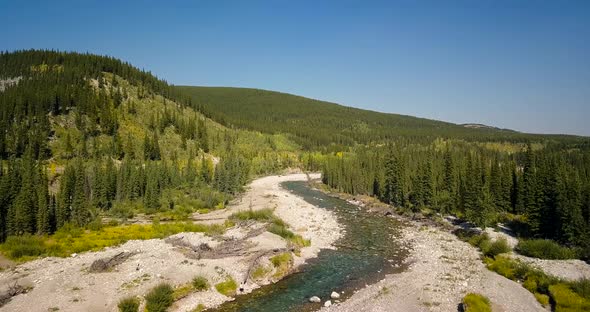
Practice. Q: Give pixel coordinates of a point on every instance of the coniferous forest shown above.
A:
(84, 137)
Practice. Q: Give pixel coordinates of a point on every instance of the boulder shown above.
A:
(315, 299)
(335, 295)
(327, 303)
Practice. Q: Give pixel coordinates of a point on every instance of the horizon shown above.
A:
(515, 66)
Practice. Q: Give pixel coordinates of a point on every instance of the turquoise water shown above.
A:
(367, 251)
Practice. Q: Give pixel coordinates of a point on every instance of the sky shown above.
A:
(523, 65)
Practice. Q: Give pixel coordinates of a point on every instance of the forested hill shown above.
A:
(316, 123)
(85, 137)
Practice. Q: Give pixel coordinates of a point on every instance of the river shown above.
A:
(368, 250)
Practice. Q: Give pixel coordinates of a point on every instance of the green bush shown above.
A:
(17, 247)
(487, 247)
(476, 303)
(227, 287)
(543, 299)
(160, 298)
(200, 283)
(129, 304)
(499, 246)
(567, 300)
(544, 249)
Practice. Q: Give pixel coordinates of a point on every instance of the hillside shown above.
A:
(315, 123)
(92, 137)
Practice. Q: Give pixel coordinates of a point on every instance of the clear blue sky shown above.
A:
(523, 65)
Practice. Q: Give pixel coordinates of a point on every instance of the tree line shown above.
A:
(547, 191)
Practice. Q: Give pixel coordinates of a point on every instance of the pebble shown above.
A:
(335, 295)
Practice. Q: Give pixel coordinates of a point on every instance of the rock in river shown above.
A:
(315, 299)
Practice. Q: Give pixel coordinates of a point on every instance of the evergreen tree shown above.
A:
(44, 215)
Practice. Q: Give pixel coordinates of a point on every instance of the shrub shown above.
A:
(129, 304)
(227, 287)
(499, 246)
(159, 298)
(543, 299)
(544, 249)
(476, 303)
(567, 300)
(200, 283)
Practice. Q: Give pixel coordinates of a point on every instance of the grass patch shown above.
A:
(227, 287)
(160, 298)
(200, 283)
(257, 215)
(260, 272)
(567, 300)
(276, 226)
(182, 291)
(544, 249)
(128, 304)
(476, 303)
(282, 264)
(69, 239)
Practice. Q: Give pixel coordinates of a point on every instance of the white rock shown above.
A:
(335, 295)
(315, 299)
(74, 255)
(327, 303)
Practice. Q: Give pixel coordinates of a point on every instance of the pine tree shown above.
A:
(151, 199)
(528, 196)
(25, 204)
(43, 206)
(80, 214)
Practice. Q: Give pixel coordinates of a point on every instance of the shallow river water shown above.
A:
(368, 250)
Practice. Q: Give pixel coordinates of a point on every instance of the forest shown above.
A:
(84, 137)
(329, 127)
(539, 191)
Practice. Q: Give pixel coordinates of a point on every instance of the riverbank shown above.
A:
(68, 284)
(442, 270)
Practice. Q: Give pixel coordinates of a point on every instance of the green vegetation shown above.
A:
(182, 291)
(128, 304)
(227, 287)
(476, 303)
(160, 298)
(566, 300)
(260, 272)
(318, 124)
(83, 137)
(488, 247)
(544, 249)
(200, 283)
(282, 264)
(70, 239)
(276, 225)
(566, 296)
(546, 192)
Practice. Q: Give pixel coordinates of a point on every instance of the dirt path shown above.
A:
(67, 284)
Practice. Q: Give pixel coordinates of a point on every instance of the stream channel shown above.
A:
(368, 250)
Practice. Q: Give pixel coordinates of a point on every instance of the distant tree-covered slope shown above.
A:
(317, 123)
